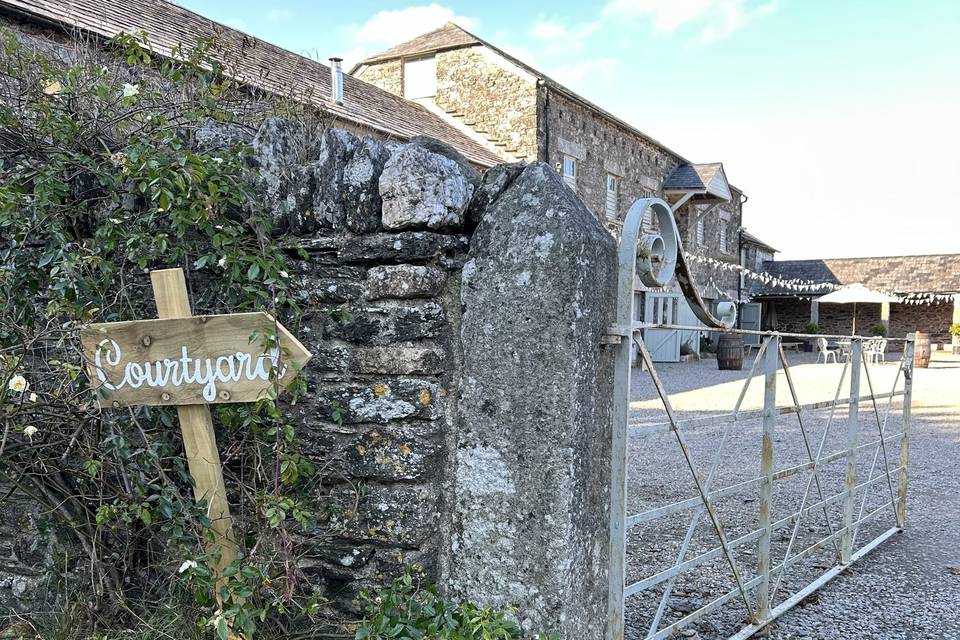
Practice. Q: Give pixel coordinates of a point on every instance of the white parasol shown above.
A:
(856, 293)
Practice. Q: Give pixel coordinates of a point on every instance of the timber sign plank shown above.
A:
(189, 362)
(193, 360)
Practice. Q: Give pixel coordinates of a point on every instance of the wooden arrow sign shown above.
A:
(193, 360)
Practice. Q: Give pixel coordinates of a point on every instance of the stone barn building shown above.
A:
(522, 114)
(929, 286)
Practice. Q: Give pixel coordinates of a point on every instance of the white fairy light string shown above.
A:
(809, 287)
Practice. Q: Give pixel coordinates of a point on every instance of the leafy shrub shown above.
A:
(812, 328)
(878, 330)
(410, 609)
(102, 179)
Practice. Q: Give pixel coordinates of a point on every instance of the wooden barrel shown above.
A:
(730, 352)
(921, 350)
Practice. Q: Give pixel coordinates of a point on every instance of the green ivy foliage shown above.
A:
(101, 180)
(413, 610)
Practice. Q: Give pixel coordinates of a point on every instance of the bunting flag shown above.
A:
(809, 287)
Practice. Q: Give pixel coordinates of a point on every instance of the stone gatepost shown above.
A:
(530, 472)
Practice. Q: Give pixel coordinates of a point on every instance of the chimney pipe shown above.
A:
(336, 80)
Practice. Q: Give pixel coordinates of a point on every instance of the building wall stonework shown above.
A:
(837, 319)
(603, 147)
(386, 75)
(491, 99)
(934, 319)
(481, 92)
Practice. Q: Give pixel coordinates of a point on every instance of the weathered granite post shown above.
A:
(530, 474)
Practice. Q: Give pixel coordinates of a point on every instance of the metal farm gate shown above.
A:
(833, 504)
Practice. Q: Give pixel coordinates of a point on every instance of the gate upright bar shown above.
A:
(905, 437)
(766, 473)
(853, 428)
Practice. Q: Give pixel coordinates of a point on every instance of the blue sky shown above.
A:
(838, 118)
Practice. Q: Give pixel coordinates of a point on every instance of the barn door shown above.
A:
(664, 344)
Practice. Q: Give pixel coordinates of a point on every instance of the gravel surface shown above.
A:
(906, 588)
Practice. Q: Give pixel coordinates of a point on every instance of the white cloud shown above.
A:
(390, 27)
(556, 36)
(717, 18)
(573, 74)
(548, 30)
(666, 15)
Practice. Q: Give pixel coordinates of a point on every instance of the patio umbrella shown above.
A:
(856, 293)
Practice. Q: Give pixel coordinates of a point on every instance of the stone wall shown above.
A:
(492, 99)
(387, 75)
(793, 315)
(601, 146)
(479, 90)
(934, 319)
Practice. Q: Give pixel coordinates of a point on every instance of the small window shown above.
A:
(701, 231)
(649, 223)
(723, 236)
(420, 78)
(613, 196)
(570, 171)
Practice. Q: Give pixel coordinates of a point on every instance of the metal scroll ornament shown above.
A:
(660, 257)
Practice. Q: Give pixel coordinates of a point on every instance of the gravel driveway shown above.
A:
(909, 587)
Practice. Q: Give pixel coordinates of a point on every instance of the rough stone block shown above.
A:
(532, 465)
(361, 185)
(404, 281)
(314, 290)
(438, 146)
(393, 514)
(387, 325)
(390, 454)
(495, 182)
(423, 190)
(399, 360)
(404, 247)
(379, 402)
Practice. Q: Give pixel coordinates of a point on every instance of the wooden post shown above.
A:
(199, 441)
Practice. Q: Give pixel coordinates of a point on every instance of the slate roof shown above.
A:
(699, 177)
(449, 36)
(453, 36)
(256, 63)
(893, 274)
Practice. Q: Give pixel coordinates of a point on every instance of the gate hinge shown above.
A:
(615, 334)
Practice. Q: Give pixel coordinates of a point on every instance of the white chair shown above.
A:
(825, 351)
(880, 355)
(873, 350)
